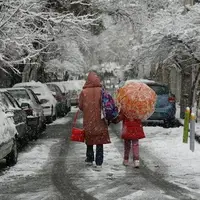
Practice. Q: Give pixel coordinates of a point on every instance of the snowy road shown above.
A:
(53, 168)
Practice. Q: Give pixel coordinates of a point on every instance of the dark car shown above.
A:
(32, 106)
(59, 89)
(59, 96)
(165, 108)
(19, 115)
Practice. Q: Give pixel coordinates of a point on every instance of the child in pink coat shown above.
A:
(132, 131)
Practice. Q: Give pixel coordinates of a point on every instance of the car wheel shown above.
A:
(168, 123)
(37, 130)
(55, 116)
(30, 132)
(49, 119)
(44, 126)
(11, 158)
(69, 109)
(36, 133)
(26, 137)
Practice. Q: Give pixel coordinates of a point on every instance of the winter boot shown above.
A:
(125, 163)
(136, 163)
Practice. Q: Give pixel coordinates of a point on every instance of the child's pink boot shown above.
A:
(125, 163)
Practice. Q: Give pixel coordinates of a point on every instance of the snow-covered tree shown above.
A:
(31, 31)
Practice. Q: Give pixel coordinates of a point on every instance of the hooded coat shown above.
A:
(131, 129)
(96, 129)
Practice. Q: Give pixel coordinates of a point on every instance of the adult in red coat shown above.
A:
(96, 129)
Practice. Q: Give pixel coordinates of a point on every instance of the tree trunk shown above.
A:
(186, 82)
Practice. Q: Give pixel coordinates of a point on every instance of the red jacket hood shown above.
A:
(92, 81)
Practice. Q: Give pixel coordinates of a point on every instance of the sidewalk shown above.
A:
(181, 166)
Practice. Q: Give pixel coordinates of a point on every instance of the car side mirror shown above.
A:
(25, 106)
(53, 93)
(43, 101)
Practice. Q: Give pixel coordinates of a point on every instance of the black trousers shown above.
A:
(99, 154)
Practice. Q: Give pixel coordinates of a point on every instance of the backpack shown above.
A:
(110, 110)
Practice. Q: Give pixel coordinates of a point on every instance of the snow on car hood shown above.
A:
(40, 89)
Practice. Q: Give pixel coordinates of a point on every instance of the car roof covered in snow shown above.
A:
(59, 84)
(146, 81)
(16, 88)
(3, 90)
(140, 80)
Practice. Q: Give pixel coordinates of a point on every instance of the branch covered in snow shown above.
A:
(30, 29)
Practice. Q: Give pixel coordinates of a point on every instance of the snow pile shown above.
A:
(175, 160)
(29, 163)
(59, 121)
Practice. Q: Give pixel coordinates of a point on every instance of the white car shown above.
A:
(8, 138)
(45, 96)
(74, 87)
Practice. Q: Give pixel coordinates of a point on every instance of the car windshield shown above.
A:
(19, 94)
(160, 89)
(52, 88)
(36, 90)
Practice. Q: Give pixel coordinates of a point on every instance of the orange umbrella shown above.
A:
(136, 100)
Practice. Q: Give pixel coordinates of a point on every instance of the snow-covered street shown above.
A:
(117, 77)
(53, 168)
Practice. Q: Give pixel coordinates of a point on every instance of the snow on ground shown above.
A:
(182, 165)
(74, 109)
(29, 163)
(39, 195)
(63, 120)
(114, 181)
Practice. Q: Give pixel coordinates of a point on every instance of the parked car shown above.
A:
(74, 87)
(8, 138)
(65, 93)
(59, 96)
(45, 96)
(165, 109)
(19, 115)
(31, 105)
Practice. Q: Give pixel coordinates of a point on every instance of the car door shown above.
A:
(19, 115)
(37, 105)
(5, 132)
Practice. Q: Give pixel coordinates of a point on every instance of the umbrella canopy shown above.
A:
(136, 100)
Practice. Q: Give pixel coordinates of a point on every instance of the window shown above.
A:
(19, 94)
(7, 102)
(52, 87)
(159, 89)
(35, 97)
(13, 100)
